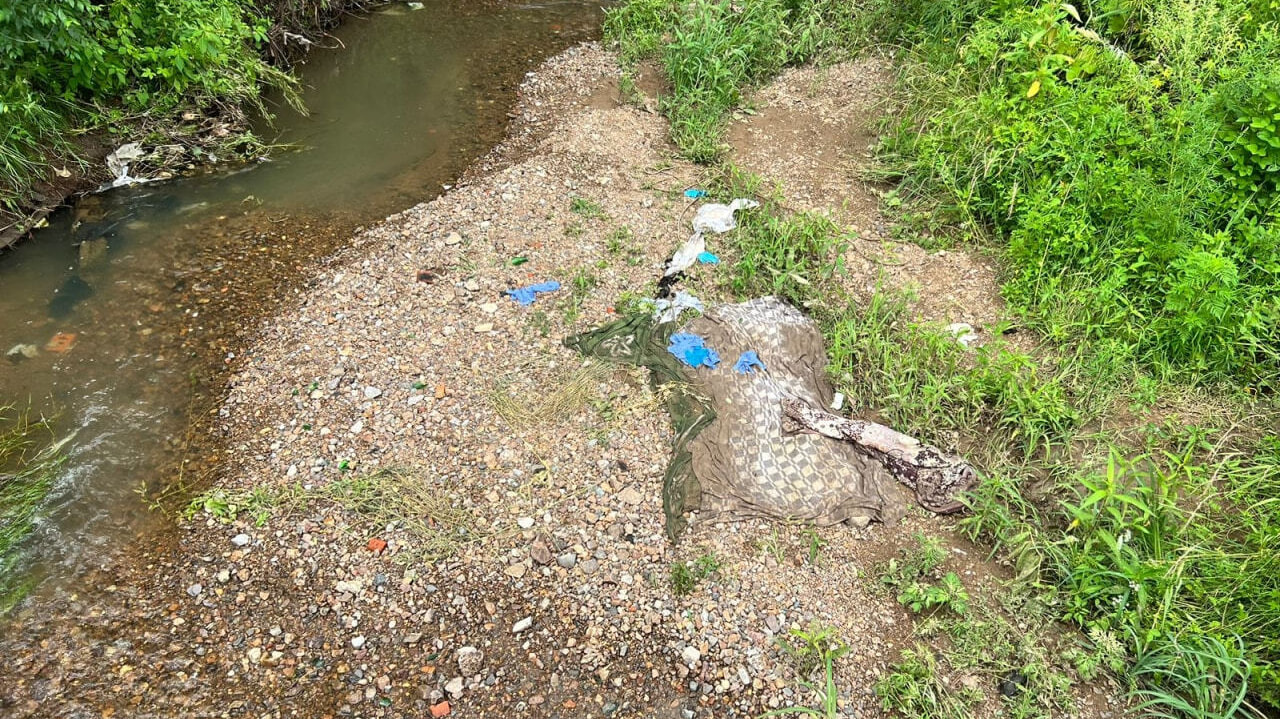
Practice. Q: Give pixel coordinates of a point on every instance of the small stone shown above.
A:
(357, 642)
(690, 655)
(440, 710)
(452, 238)
(489, 307)
(540, 552)
(372, 393)
(195, 589)
(454, 687)
(516, 570)
(470, 661)
(240, 540)
(590, 566)
(413, 638)
(484, 327)
(522, 625)
(524, 522)
(630, 495)
(567, 560)
(471, 286)
(20, 352)
(255, 655)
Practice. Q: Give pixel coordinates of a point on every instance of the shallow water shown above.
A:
(149, 287)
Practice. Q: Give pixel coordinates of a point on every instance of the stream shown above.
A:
(135, 298)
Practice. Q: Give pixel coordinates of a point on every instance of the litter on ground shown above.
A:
(526, 295)
(707, 258)
(670, 310)
(748, 362)
(692, 350)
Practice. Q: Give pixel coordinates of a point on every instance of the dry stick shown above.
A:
(936, 477)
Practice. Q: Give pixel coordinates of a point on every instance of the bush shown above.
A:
(1127, 157)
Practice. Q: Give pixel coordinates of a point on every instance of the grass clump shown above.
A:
(29, 460)
(686, 576)
(713, 51)
(810, 650)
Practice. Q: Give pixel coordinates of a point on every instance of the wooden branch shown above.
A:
(936, 477)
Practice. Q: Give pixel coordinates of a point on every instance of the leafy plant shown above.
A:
(685, 577)
(811, 649)
(948, 594)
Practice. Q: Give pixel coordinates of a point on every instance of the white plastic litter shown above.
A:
(669, 310)
(118, 164)
(711, 217)
(714, 217)
(963, 332)
(684, 257)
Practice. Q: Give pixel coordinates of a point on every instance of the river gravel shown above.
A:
(404, 355)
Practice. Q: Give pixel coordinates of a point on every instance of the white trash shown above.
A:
(714, 217)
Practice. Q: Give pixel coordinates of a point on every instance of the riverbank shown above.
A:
(185, 87)
(422, 496)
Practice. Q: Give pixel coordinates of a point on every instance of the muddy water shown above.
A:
(136, 297)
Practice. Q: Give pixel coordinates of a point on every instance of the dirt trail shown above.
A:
(540, 472)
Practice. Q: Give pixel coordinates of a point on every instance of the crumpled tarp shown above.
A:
(731, 456)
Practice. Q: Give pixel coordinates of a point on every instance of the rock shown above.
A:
(630, 495)
(353, 586)
(18, 353)
(195, 589)
(567, 560)
(454, 687)
(524, 522)
(690, 655)
(522, 625)
(372, 393)
(241, 540)
(358, 642)
(452, 238)
(484, 327)
(489, 308)
(255, 655)
(516, 570)
(540, 552)
(470, 661)
(590, 566)
(440, 710)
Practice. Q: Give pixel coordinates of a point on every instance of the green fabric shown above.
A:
(638, 340)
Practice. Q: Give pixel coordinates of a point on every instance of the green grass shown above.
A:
(686, 576)
(809, 650)
(714, 51)
(29, 460)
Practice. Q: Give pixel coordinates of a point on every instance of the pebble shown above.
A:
(195, 589)
(690, 655)
(524, 522)
(522, 625)
(357, 642)
(567, 560)
(372, 393)
(454, 687)
(240, 540)
(470, 661)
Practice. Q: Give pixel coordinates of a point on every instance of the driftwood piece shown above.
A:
(936, 477)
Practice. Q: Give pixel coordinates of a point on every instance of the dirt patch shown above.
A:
(813, 131)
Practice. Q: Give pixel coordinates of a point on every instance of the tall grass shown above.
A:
(29, 459)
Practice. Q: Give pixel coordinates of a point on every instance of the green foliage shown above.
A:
(587, 208)
(811, 649)
(686, 576)
(1126, 155)
(715, 50)
(948, 594)
(1172, 551)
(914, 690)
(71, 63)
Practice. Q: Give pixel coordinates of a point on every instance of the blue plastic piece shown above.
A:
(694, 193)
(707, 258)
(747, 363)
(692, 350)
(526, 295)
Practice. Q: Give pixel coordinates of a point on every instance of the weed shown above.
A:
(685, 577)
(811, 649)
(948, 594)
(922, 561)
(815, 544)
(589, 209)
(914, 690)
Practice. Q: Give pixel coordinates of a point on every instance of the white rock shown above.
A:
(522, 625)
(525, 522)
(357, 642)
(372, 392)
(240, 540)
(470, 661)
(690, 655)
(454, 687)
(453, 238)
